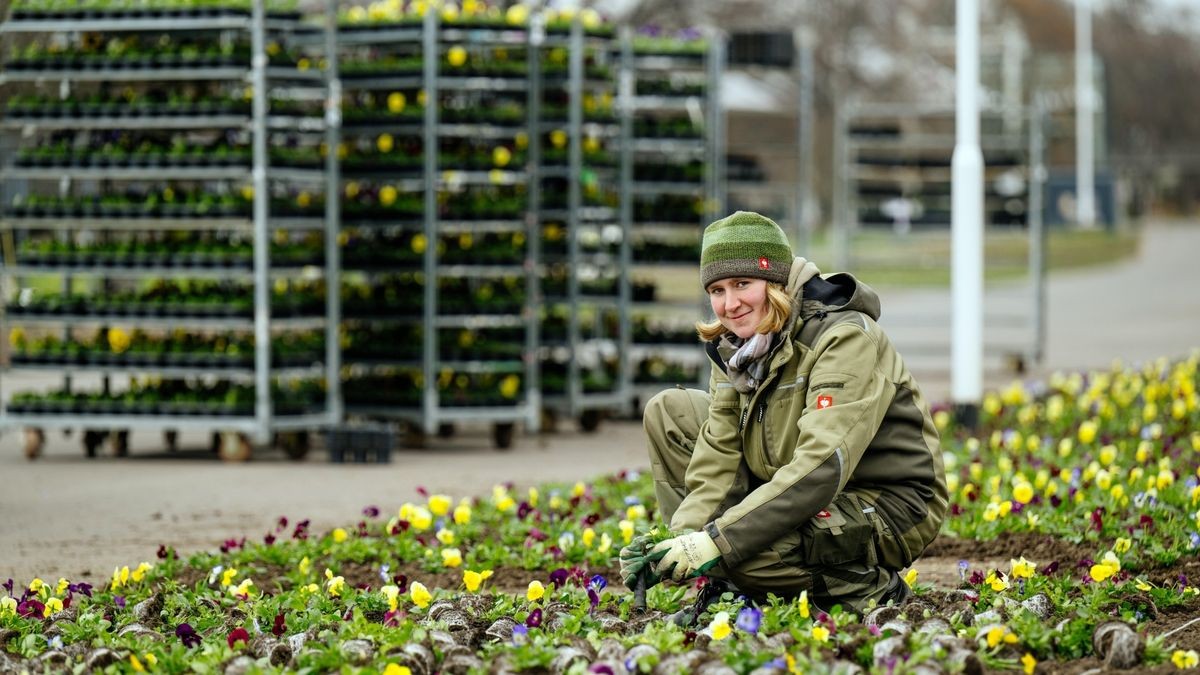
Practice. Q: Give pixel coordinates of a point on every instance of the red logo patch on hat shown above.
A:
(763, 263)
(824, 402)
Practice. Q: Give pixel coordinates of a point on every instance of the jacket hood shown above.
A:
(833, 293)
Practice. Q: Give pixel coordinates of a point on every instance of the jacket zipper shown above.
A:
(742, 424)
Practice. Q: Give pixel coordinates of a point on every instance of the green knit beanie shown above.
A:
(745, 244)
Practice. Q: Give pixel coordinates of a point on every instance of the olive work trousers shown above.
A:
(797, 562)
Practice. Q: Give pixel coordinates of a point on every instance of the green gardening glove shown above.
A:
(636, 560)
(688, 555)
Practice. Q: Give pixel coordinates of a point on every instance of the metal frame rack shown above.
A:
(594, 379)
(241, 427)
(678, 348)
(442, 184)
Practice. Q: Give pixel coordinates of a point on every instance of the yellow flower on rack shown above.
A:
(591, 144)
(16, 338)
(304, 199)
(356, 14)
(351, 190)
(387, 195)
(248, 192)
(590, 18)
(558, 138)
(521, 140)
(457, 56)
(396, 102)
(517, 15)
(450, 13)
(385, 142)
(497, 177)
(471, 7)
(501, 155)
(510, 386)
(118, 340)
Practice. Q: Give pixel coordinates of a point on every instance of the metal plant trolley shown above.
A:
(441, 261)
(585, 329)
(676, 186)
(191, 255)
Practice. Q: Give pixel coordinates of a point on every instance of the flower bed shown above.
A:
(519, 581)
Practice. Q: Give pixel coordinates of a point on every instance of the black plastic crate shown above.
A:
(360, 443)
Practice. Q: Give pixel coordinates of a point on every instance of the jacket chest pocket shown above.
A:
(780, 413)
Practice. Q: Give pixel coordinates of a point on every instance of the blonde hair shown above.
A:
(778, 311)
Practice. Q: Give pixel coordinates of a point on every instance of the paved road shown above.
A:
(67, 516)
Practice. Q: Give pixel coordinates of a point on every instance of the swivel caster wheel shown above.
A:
(35, 441)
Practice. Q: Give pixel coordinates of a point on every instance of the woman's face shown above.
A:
(739, 303)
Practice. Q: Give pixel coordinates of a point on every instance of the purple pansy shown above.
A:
(749, 619)
(187, 635)
(534, 619)
(520, 634)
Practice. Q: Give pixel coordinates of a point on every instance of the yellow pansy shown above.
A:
(1028, 663)
(385, 142)
(420, 595)
(1065, 447)
(1023, 493)
(589, 536)
(392, 593)
(53, 605)
(1142, 585)
(8, 606)
(1022, 568)
(457, 56)
(605, 543)
(334, 584)
(62, 586)
(534, 496)
(910, 577)
(1108, 454)
(439, 505)
(1000, 634)
(339, 535)
(462, 514)
(451, 557)
(820, 633)
(998, 582)
(422, 519)
(242, 589)
(1107, 567)
(720, 627)
(636, 512)
(304, 566)
(1087, 431)
(1165, 479)
(228, 576)
(535, 591)
(473, 580)
(394, 669)
(1184, 660)
(804, 610)
(626, 530)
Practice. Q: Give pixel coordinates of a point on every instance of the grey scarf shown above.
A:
(747, 368)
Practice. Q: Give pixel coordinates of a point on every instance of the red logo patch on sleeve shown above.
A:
(822, 514)
(763, 263)
(824, 401)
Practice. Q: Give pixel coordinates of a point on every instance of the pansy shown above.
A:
(445, 536)
(31, 609)
(334, 584)
(997, 581)
(719, 628)
(462, 513)
(237, 635)
(8, 605)
(305, 566)
(278, 628)
(339, 535)
(999, 634)
(396, 669)
(1107, 567)
(53, 605)
(605, 543)
(392, 593)
(534, 619)
(535, 591)
(804, 610)
(451, 557)
(187, 635)
(1184, 660)
(820, 633)
(588, 537)
(420, 595)
(749, 619)
(1022, 568)
(626, 527)
(439, 505)
(1028, 663)
(910, 577)
(228, 576)
(520, 634)
(473, 580)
